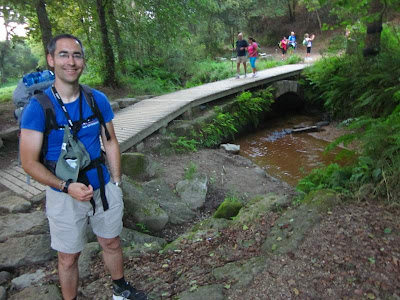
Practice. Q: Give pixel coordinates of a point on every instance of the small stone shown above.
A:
(231, 148)
(4, 277)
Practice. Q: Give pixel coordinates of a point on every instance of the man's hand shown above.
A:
(80, 192)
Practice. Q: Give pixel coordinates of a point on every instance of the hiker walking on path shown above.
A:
(253, 53)
(283, 44)
(241, 46)
(292, 41)
(308, 43)
(60, 147)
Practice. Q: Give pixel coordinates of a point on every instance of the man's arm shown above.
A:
(112, 150)
(30, 147)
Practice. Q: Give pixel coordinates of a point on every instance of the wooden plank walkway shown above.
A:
(136, 122)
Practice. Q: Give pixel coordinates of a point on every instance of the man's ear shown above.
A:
(50, 60)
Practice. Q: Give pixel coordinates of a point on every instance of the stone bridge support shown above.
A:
(286, 86)
(288, 96)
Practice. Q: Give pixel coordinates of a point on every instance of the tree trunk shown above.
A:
(44, 23)
(110, 78)
(374, 29)
(118, 40)
(292, 10)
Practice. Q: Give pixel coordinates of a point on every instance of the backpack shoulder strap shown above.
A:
(87, 91)
(48, 108)
(50, 121)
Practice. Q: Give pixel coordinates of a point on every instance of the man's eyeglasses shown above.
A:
(65, 56)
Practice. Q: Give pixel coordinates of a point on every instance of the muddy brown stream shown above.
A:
(288, 157)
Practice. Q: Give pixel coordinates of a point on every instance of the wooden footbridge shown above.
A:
(138, 121)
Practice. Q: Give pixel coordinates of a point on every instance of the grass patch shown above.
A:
(7, 89)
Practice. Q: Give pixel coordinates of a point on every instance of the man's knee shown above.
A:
(110, 244)
(67, 260)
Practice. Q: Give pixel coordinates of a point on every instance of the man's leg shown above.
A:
(245, 68)
(69, 274)
(112, 256)
(238, 67)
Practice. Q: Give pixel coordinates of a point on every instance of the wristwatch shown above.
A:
(66, 185)
(118, 183)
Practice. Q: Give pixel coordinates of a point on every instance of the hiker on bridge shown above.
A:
(60, 147)
(241, 45)
(253, 54)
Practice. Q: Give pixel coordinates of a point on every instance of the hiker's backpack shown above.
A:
(28, 86)
(280, 45)
(305, 42)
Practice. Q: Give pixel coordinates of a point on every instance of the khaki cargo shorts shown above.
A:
(241, 59)
(68, 218)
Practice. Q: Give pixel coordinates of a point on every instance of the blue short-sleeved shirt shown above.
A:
(34, 118)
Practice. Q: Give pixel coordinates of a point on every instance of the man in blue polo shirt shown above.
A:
(71, 204)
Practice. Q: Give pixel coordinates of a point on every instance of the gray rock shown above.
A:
(38, 198)
(137, 166)
(125, 102)
(4, 277)
(3, 293)
(193, 192)
(114, 106)
(144, 97)
(23, 224)
(45, 292)
(178, 211)
(140, 147)
(141, 249)
(260, 172)
(27, 280)
(85, 259)
(141, 208)
(14, 204)
(1, 143)
(322, 124)
(209, 292)
(230, 148)
(242, 272)
(31, 249)
(10, 134)
(131, 237)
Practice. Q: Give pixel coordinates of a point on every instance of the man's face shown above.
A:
(68, 61)
(240, 36)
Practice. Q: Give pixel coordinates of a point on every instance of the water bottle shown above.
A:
(37, 77)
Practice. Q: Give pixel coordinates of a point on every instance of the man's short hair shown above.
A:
(51, 47)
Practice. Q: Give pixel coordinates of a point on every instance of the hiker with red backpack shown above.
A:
(60, 147)
(283, 45)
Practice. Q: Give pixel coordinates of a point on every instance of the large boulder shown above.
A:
(45, 292)
(141, 208)
(10, 134)
(131, 237)
(213, 292)
(85, 259)
(27, 280)
(31, 249)
(193, 191)
(23, 224)
(137, 166)
(178, 211)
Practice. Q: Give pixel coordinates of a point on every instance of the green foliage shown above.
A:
(351, 86)
(6, 90)
(190, 171)
(142, 228)
(183, 144)
(331, 177)
(368, 91)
